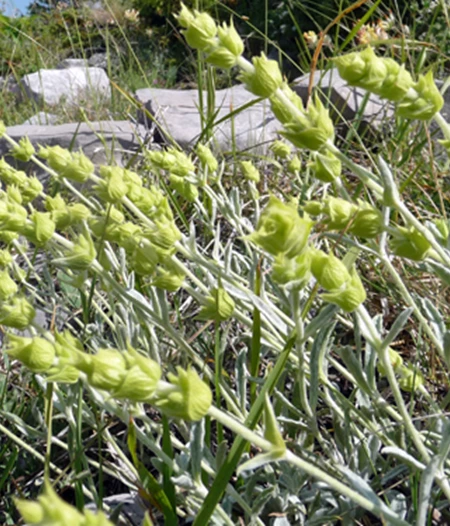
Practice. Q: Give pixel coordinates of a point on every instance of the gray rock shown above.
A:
(344, 101)
(131, 507)
(54, 86)
(177, 116)
(103, 141)
(100, 60)
(42, 118)
(72, 63)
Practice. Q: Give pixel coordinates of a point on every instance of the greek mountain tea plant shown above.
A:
(228, 331)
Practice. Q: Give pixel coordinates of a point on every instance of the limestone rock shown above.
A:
(68, 86)
(177, 116)
(42, 118)
(120, 137)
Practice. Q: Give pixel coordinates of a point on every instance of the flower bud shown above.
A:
(79, 168)
(185, 17)
(339, 212)
(229, 38)
(326, 167)
(281, 149)
(184, 188)
(294, 165)
(164, 234)
(281, 111)
(396, 362)
(173, 161)
(10, 175)
(113, 187)
(281, 230)
(189, 399)
(220, 57)
(200, 31)
(7, 236)
(141, 378)
(249, 171)
(294, 271)
(423, 102)
(219, 306)
(409, 243)
(368, 222)
(5, 258)
(329, 271)
(17, 313)
(314, 208)
(56, 157)
(265, 79)
(207, 158)
(168, 278)
(106, 370)
(397, 82)
(411, 379)
(12, 215)
(311, 130)
(80, 256)
(350, 296)
(8, 286)
(40, 228)
(35, 353)
(32, 189)
(144, 259)
(24, 150)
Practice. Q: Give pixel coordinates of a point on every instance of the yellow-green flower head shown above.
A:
(164, 234)
(13, 216)
(207, 158)
(411, 379)
(281, 149)
(409, 243)
(229, 38)
(220, 57)
(16, 313)
(326, 167)
(35, 353)
(281, 230)
(368, 222)
(314, 208)
(10, 175)
(397, 82)
(141, 378)
(281, 111)
(294, 271)
(105, 370)
(49, 510)
(189, 397)
(265, 78)
(144, 259)
(8, 286)
(219, 306)
(81, 256)
(350, 295)
(423, 102)
(329, 271)
(7, 236)
(5, 258)
(339, 212)
(32, 189)
(24, 150)
(40, 228)
(172, 160)
(112, 188)
(249, 171)
(201, 29)
(56, 157)
(186, 189)
(311, 130)
(79, 168)
(396, 362)
(294, 165)
(168, 278)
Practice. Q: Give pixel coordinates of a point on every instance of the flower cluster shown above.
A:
(124, 375)
(386, 78)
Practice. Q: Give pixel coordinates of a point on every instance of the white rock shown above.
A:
(68, 86)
